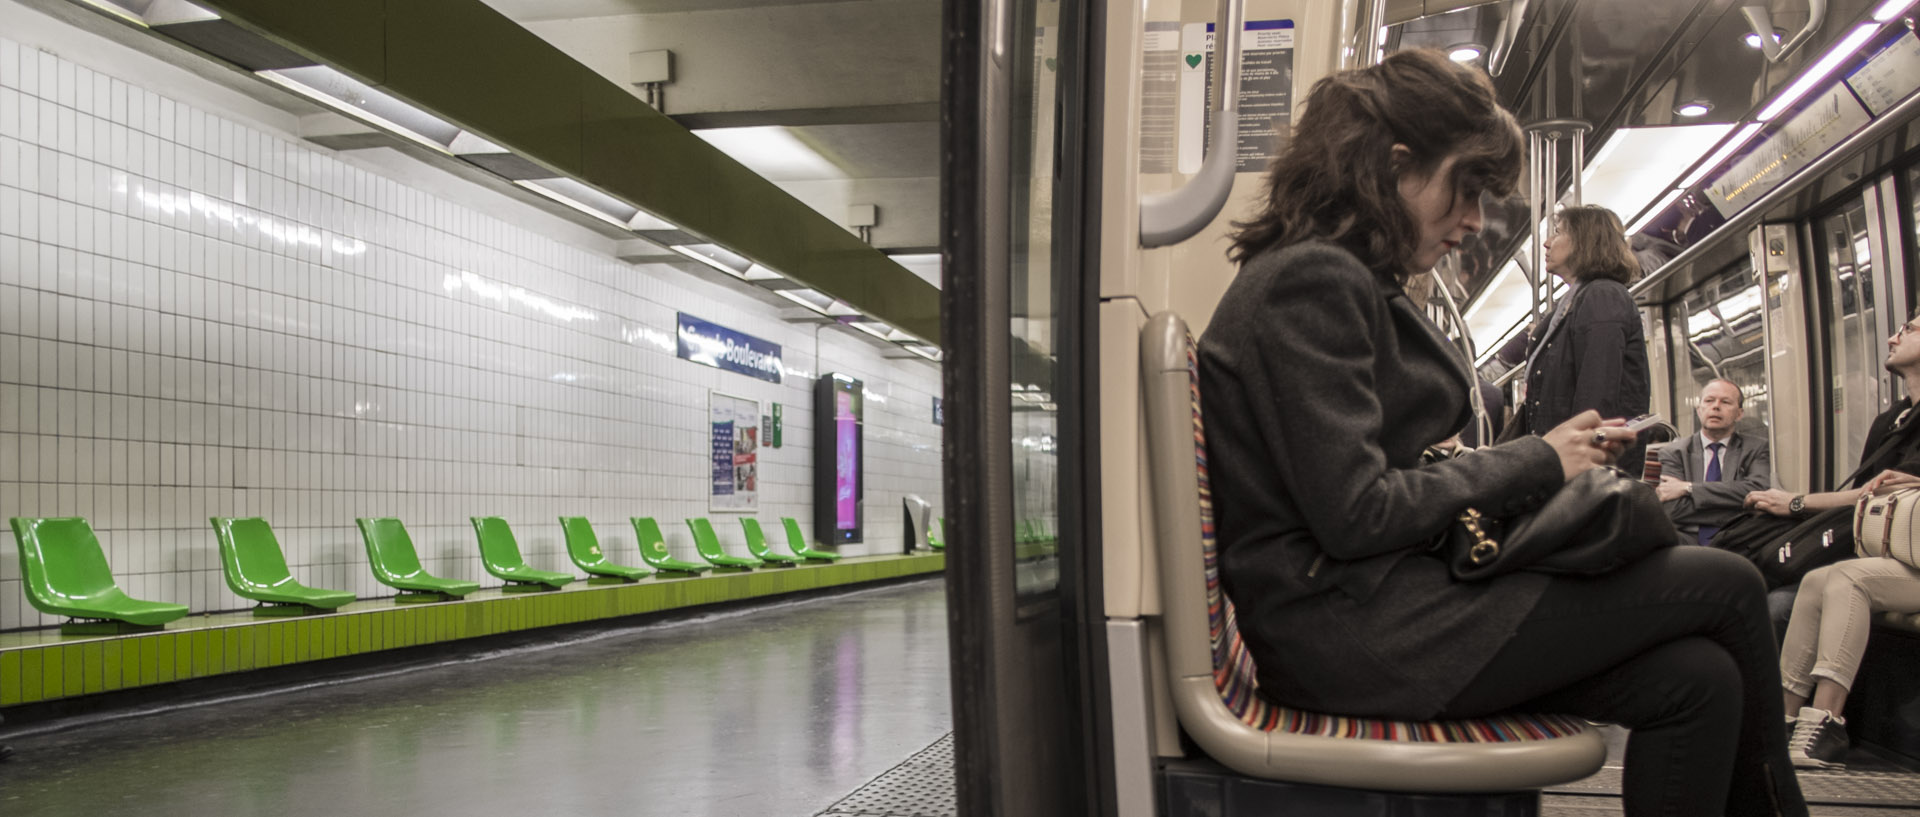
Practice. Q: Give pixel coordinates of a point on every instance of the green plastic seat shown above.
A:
(256, 569)
(797, 543)
(708, 544)
(501, 555)
(584, 549)
(653, 550)
(395, 563)
(757, 544)
(67, 575)
(937, 534)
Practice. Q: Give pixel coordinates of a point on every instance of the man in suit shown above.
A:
(1705, 479)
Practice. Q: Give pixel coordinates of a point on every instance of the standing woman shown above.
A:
(1593, 352)
(1322, 384)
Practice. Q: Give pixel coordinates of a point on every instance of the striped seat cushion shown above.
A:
(1233, 672)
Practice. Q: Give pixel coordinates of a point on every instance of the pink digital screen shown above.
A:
(846, 471)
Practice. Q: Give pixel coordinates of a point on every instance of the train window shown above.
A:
(1715, 331)
(1853, 339)
(1034, 303)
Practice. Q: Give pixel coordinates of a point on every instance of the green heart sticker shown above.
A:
(1052, 64)
(1193, 60)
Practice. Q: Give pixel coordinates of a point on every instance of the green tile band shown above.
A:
(42, 665)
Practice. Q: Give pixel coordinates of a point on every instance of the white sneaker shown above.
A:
(1819, 740)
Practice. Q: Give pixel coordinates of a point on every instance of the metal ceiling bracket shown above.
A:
(1178, 214)
(1762, 22)
(1504, 39)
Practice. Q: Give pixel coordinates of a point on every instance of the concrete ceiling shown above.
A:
(855, 83)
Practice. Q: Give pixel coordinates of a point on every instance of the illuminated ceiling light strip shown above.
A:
(117, 10)
(467, 143)
(1820, 70)
(278, 78)
(643, 221)
(1652, 212)
(693, 252)
(1890, 10)
(760, 273)
(928, 352)
(1726, 149)
(174, 12)
(532, 185)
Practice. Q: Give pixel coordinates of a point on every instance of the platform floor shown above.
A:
(773, 710)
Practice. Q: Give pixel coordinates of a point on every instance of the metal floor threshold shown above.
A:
(1882, 791)
(921, 786)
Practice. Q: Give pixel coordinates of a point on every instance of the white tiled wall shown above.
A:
(200, 317)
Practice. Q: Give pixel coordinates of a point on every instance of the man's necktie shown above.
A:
(1713, 475)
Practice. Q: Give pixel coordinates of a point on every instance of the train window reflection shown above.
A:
(1034, 307)
(1715, 332)
(1852, 333)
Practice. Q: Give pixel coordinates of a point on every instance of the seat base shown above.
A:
(527, 587)
(278, 609)
(669, 573)
(1194, 788)
(423, 597)
(107, 627)
(730, 569)
(825, 560)
(610, 580)
(781, 563)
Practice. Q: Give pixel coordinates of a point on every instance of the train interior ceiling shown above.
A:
(474, 264)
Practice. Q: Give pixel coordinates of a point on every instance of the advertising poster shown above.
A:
(736, 453)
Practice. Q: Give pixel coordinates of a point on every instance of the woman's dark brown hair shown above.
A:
(1600, 248)
(1337, 179)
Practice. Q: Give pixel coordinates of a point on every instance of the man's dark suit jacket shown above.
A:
(1745, 466)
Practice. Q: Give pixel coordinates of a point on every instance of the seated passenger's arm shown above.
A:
(1775, 501)
(1731, 495)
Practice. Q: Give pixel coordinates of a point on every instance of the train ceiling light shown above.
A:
(1695, 108)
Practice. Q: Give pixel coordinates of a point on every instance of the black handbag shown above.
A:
(1599, 521)
(1787, 548)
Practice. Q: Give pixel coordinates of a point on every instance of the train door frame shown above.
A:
(1887, 250)
(1029, 684)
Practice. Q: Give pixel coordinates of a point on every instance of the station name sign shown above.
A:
(711, 344)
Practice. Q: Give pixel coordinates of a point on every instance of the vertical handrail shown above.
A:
(1176, 215)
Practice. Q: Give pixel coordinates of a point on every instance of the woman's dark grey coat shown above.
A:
(1596, 358)
(1321, 384)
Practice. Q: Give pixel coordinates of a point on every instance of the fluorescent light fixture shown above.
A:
(467, 143)
(645, 221)
(1752, 39)
(717, 257)
(882, 331)
(1637, 165)
(760, 273)
(1726, 149)
(360, 101)
(810, 298)
(926, 265)
(1467, 52)
(1890, 10)
(1818, 72)
(1692, 109)
(565, 194)
(772, 151)
(1653, 212)
(153, 12)
(932, 353)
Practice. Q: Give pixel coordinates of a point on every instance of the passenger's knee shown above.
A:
(1691, 679)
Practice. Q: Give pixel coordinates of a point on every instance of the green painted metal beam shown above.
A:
(474, 67)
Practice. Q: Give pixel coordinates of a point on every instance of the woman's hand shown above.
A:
(1890, 481)
(1771, 500)
(1587, 441)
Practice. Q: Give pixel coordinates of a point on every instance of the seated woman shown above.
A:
(1322, 384)
(1827, 632)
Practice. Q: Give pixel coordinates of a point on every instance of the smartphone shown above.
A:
(1643, 422)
